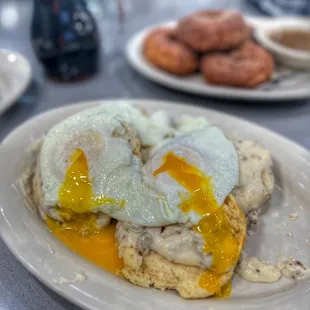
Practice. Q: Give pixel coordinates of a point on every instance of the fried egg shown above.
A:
(190, 163)
(85, 168)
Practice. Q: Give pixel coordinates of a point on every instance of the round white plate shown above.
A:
(15, 75)
(50, 261)
(297, 86)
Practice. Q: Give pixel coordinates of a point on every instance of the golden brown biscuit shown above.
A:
(153, 270)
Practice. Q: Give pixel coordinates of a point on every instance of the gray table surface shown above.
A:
(18, 288)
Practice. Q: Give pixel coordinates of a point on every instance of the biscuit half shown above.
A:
(153, 270)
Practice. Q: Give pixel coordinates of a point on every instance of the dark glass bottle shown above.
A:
(65, 39)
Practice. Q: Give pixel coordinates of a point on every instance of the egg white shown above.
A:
(207, 149)
(117, 173)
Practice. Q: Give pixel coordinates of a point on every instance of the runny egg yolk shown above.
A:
(76, 193)
(214, 226)
(80, 232)
(96, 245)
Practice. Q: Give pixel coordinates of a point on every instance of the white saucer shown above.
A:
(57, 266)
(15, 75)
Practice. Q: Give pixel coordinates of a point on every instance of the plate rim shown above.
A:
(139, 64)
(142, 101)
(90, 103)
(23, 86)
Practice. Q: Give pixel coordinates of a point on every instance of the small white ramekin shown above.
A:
(293, 58)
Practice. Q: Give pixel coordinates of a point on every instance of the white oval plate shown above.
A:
(293, 88)
(15, 75)
(50, 261)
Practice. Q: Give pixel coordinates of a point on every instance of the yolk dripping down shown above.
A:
(96, 245)
(76, 193)
(81, 233)
(214, 225)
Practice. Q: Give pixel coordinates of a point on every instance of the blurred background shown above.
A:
(24, 21)
(75, 49)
